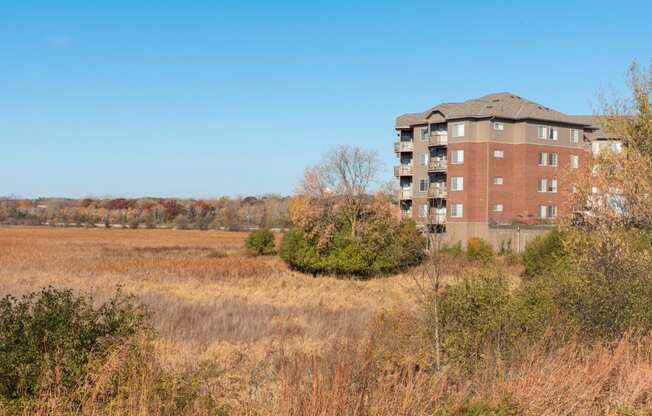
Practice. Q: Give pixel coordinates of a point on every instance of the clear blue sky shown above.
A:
(200, 99)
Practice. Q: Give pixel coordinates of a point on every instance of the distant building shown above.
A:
(490, 167)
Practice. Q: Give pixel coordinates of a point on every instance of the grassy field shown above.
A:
(210, 301)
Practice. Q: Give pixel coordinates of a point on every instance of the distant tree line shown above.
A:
(269, 211)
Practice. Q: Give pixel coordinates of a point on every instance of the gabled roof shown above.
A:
(503, 105)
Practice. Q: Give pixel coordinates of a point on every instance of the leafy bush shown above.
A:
(454, 250)
(386, 246)
(479, 249)
(545, 254)
(260, 242)
(56, 332)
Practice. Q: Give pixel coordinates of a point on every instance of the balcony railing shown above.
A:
(403, 170)
(438, 139)
(406, 213)
(436, 165)
(437, 191)
(402, 146)
(437, 216)
(405, 194)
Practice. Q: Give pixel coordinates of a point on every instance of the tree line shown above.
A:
(240, 213)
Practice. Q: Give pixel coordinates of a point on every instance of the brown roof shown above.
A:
(595, 121)
(501, 105)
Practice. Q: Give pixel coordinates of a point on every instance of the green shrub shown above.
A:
(545, 254)
(454, 250)
(260, 242)
(479, 249)
(55, 335)
(385, 247)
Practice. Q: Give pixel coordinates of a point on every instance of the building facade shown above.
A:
(495, 167)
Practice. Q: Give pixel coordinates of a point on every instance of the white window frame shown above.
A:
(425, 159)
(543, 156)
(457, 180)
(499, 125)
(499, 180)
(552, 185)
(424, 133)
(542, 132)
(423, 213)
(456, 128)
(574, 136)
(542, 185)
(595, 148)
(551, 211)
(498, 152)
(457, 210)
(543, 212)
(553, 133)
(498, 207)
(425, 181)
(460, 160)
(551, 156)
(574, 161)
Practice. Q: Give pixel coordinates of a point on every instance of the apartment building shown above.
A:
(492, 167)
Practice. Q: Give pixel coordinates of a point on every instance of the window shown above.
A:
(595, 148)
(499, 126)
(543, 158)
(423, 185)
(552, 159)
(423, 210)
(498, 180)
(457, 210)
(552, 211)
(458, 129)
(574, 136)
(542, 132)
(424, 133)
(543, 184)
(500, 153)
(457, 183)
(425, 158)
(458, 156)
(552, 133)
(498, 208)
(552, 186)
(574, 161)
(616, 147)
(543, 211)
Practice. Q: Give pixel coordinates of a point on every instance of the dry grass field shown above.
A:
(210, 301)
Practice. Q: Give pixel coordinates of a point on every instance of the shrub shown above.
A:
(545, 255)
(454, 250)
(55, 335)
(479, 249)
(260, 242)
(385, 247)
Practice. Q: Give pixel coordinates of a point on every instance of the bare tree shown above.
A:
(346, 172)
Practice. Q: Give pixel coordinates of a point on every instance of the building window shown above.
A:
(458, 156)
(574, 161)
(423, 185)
(457, 210)
(498, 208)
(458, 129)
(552, 211)
(542, 132)
(543, 184)
(457, 183)
(499, 126)
(424, 133)
(499, 153)
(498, 180)
(574, 136)
(425, 158)
(543, 158)
(595, 148)
(552, 159)
(543, 211)
(552, 186)
(423, 210)
(616, 147)
(552, 133)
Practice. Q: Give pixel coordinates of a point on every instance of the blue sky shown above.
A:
(201, 99)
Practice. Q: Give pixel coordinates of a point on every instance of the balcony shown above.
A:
(438, 138)
(402, 170)
(405, 194)
(437, 216)
(406, 214)
(437, 165)
(403, 147)
(437, 191)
